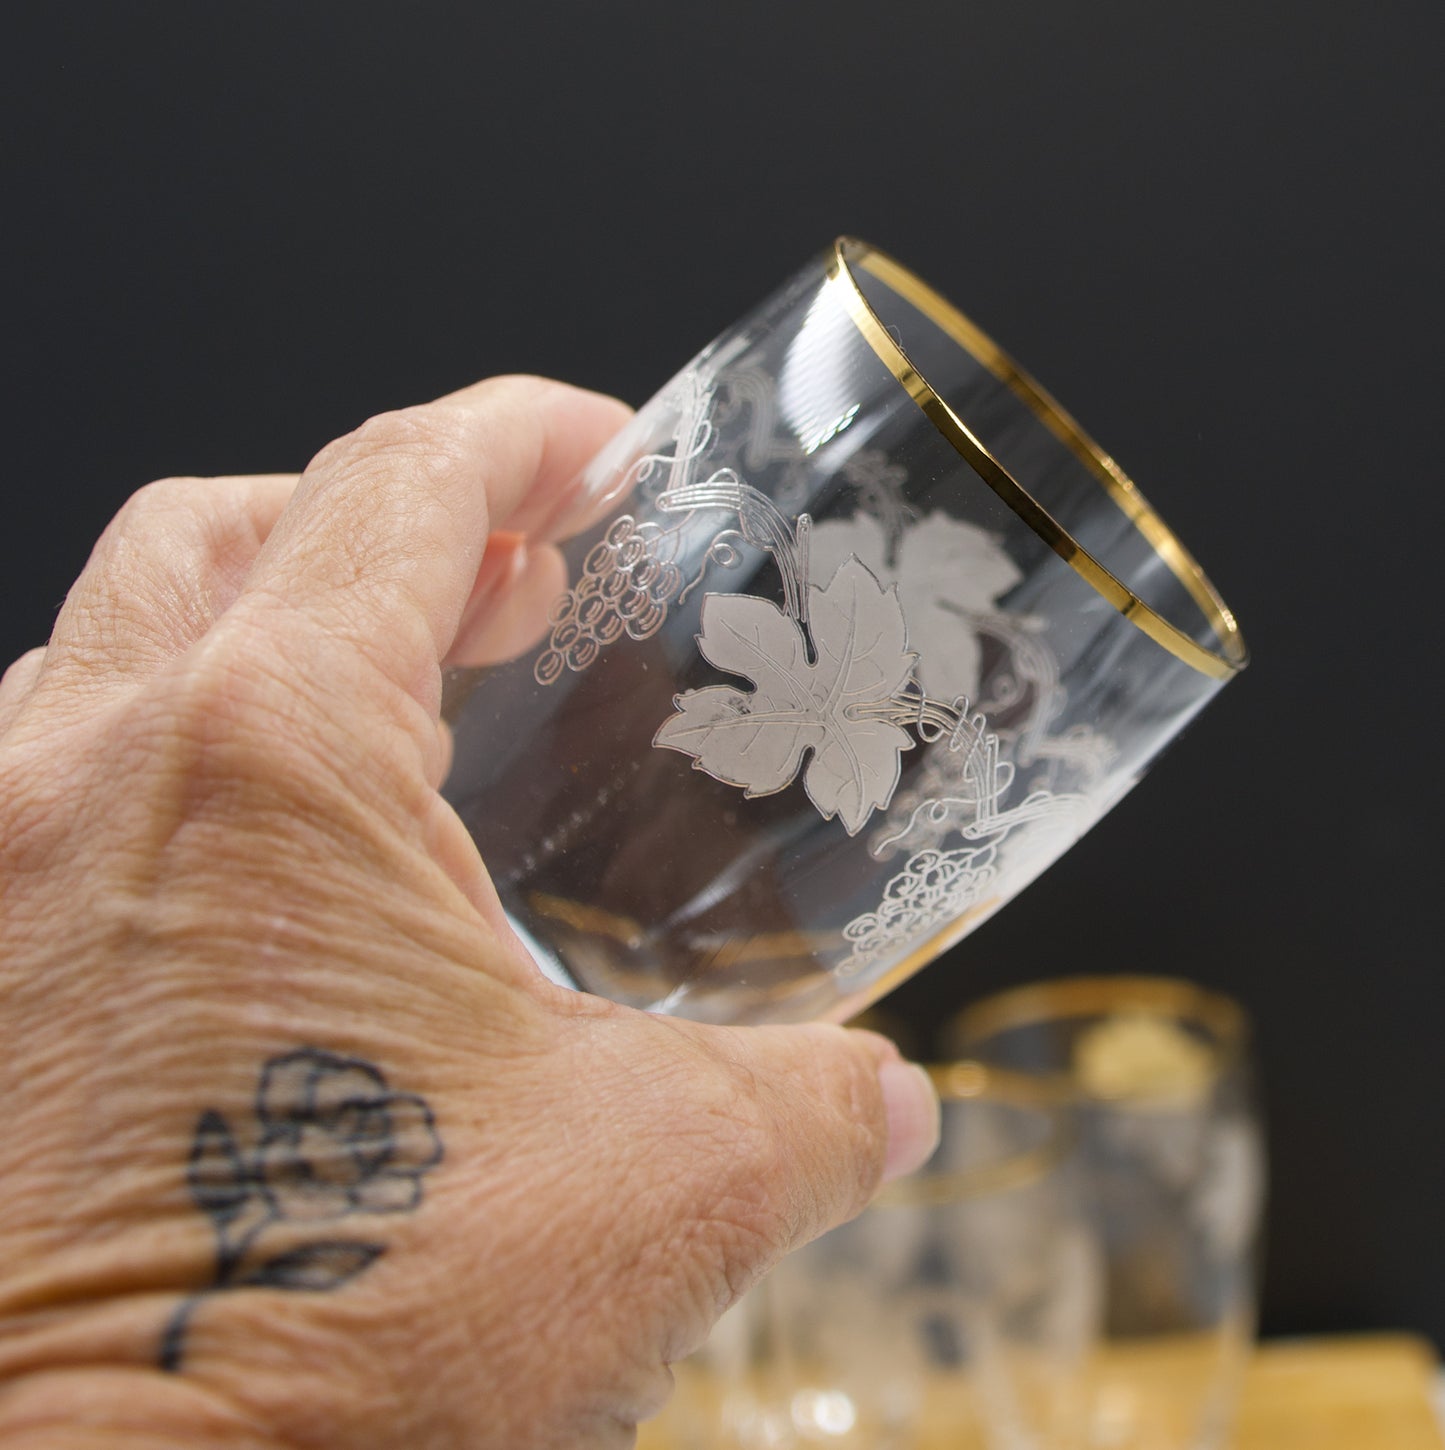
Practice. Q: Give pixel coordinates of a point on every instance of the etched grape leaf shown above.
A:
(757, 739)
(946, 570)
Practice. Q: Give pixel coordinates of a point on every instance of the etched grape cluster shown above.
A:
(932, 889)
(625, 588)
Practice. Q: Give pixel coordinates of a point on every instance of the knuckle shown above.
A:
(221, 711)
(704, 1231)
(843, 1080)
(422, 435)
(245, 722)
(733, 1170)
(241, 793)
(164, 496)
(22, 670)
(822, 1136)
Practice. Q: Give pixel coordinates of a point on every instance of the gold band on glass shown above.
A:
(849, 253)
(961, 1082)
(1222, 1018)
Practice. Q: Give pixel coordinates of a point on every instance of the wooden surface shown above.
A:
(1343, 1394)
(1360, 1393)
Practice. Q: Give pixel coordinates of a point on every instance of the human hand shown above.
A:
(300, 1147)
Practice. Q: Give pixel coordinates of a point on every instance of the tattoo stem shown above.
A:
(173, 1340)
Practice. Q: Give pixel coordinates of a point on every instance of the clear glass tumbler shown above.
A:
(1172, 1160)
(871, 1338)
(867, 633)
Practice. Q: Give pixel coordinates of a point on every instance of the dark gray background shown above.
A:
(231, 232)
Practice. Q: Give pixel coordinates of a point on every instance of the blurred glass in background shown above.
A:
(1171, 1159)
(1075, 1270)
(871, 1336)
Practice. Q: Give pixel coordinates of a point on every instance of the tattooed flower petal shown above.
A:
(333, 1127)
(415, 1146)
(337, 1085)
(387, 1193)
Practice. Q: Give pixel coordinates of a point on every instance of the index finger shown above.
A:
(381, 543)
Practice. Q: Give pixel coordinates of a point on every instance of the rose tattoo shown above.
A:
(334, 1141)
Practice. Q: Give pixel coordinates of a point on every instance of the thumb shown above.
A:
(776, 1134)
(837, 1113)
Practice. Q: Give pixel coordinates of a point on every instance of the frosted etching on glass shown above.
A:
(841, 670)
(862, 632)
(836, 703)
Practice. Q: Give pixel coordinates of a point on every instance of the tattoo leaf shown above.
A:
(320, 1266)
(217, 1177)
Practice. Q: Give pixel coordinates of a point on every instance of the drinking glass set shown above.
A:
(861, 633)
(1075, 1270)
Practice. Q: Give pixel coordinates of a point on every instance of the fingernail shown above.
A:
(913, 1122)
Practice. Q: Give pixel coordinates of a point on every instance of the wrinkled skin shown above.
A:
(220, 840)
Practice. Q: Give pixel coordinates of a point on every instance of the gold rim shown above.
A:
(965, 1080)
(1221, 1017)
(849, 252)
